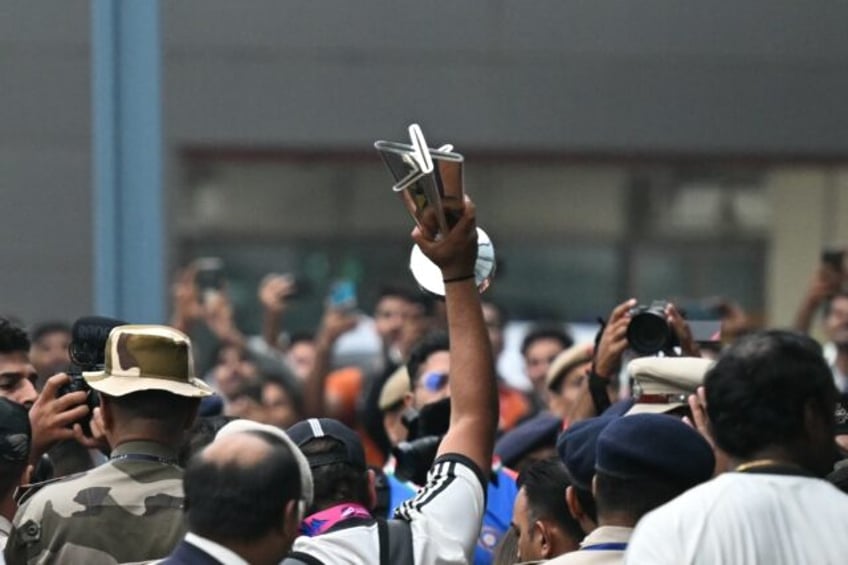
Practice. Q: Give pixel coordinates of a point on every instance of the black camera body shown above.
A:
(414, 457)
(649, 332)
(88, 353)
(92, 399)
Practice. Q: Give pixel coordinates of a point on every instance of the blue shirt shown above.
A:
(500, 497)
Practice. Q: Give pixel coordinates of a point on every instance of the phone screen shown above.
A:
(343, 295)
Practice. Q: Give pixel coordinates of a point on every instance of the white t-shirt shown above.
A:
(747, 518)
(444, 517)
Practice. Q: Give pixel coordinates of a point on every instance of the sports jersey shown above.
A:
(444, 520)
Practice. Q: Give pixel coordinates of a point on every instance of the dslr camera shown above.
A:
(649, 331)
(88, 353)
(414, 457)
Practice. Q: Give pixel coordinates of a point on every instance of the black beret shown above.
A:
(576, 448)
(539, 431)
(654, 446)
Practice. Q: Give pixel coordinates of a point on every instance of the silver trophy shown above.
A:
(429, 181)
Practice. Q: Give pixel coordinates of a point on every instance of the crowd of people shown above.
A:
(194, 443)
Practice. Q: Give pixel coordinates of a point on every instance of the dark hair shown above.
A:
(828, 304)
(298, 337)
(426, 302)
(633, 497)
(291, 388)
(758, 390)
(201, 434)
(40, 331)
(544, 483)
(390, 291)
(429, 344)
(241, 502)
(13, 339)
(167, 409)
(337, 482)
(587, 502)
(545, 332)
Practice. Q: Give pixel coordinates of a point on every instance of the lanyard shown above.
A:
(320, 522)
(143, 457)
(611, 546)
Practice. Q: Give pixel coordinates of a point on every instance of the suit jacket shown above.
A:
(188, 554)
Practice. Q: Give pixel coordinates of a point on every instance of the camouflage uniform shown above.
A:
(130, 508)
(125, 510)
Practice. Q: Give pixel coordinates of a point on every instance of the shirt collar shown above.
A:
(607, 534)
(218, 551)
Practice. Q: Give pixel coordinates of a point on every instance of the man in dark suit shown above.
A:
(245, 497)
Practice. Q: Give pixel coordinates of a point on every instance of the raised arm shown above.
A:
(474, 397)
(825, 283)
(274, 292)
(334, 323)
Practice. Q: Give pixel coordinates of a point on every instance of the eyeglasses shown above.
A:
(435, 381)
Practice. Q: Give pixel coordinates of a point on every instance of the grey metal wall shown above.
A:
(751, 76)
(45, 169)
(764, 77)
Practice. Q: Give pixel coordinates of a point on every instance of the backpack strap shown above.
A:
(395, 542)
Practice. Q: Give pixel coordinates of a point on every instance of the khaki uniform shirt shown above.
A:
(601, 547)
(128, 509)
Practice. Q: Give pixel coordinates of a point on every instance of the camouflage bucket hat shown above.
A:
(147, 358)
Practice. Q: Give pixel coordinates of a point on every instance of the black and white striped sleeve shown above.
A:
(446, 514)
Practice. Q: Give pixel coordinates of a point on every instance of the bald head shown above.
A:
(243, 449)
(238, 488)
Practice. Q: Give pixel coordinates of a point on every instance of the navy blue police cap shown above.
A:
(537, 432)
(576, 448)
(655, 447)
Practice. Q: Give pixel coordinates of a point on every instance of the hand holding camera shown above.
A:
(613, 342)
(54, 415)
(646, 329)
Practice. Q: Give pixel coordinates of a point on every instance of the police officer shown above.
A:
(130, 508)
(641, 462)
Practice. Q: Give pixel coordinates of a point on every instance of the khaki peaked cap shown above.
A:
(662, 384)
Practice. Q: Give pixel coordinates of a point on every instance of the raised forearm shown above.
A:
(474, 397)
(271, 327)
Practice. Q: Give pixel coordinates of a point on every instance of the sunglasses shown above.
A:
(435, 381)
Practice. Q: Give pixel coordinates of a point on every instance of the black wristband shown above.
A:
(458, 279)
(598, 391)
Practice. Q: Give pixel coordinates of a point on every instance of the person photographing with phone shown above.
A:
(827, 290)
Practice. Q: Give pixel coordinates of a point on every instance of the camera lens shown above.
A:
(648, 333)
